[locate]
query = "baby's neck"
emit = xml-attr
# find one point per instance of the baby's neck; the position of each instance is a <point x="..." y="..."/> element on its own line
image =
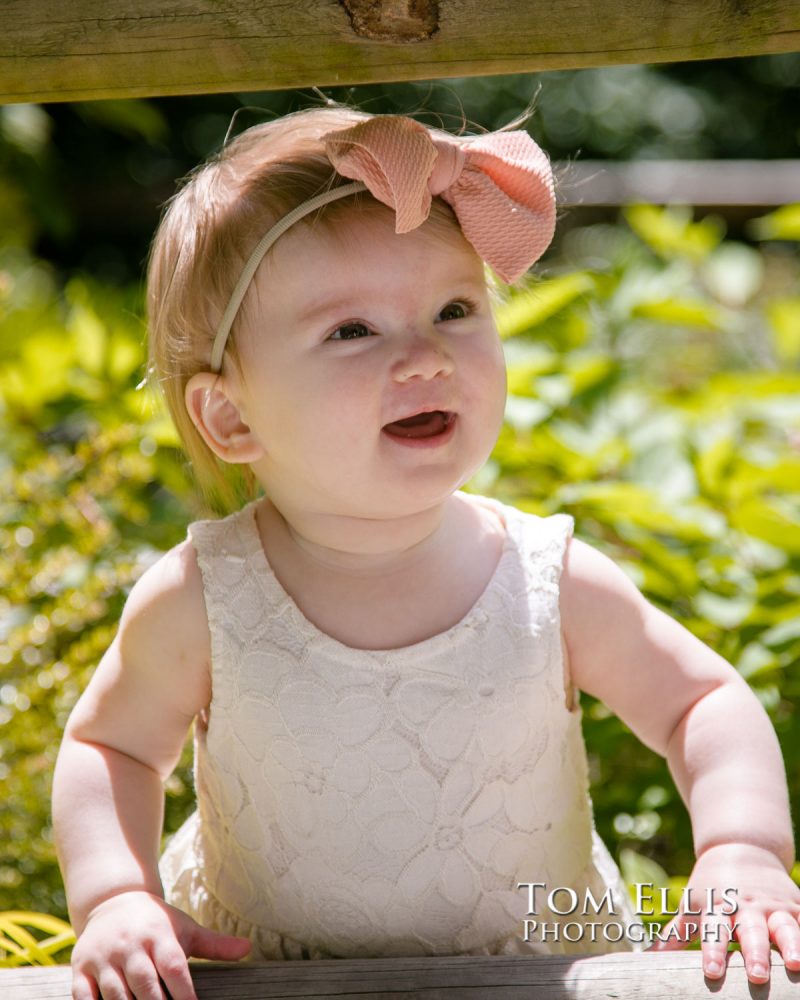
<point x="395" y="584"/>
<point x="360" y="546"/>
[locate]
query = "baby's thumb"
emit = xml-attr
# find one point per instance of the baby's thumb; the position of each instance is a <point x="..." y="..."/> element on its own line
<point x="217" y="947"/>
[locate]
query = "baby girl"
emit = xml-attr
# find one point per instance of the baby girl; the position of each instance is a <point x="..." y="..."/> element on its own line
<point x="382" y="670"/>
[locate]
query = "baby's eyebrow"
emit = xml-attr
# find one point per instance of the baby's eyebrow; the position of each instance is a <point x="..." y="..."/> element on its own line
<point x="354" y="301"/>
<point x="318" y="309"/>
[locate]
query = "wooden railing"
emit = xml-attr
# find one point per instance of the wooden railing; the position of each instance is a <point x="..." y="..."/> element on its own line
<point x="90" y="49"/>
<point x="652" y="976"/>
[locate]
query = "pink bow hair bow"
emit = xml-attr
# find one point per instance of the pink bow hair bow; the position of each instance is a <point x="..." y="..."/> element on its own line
<point x="499" y="185"/>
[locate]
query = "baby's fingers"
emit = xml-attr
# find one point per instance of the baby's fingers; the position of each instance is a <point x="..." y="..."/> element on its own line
<point x="203" y="943"/>
<point x="173" y="968"/>
<point x="141" y="978"/>
<point x="783" y="930"/>
<point x="715" y="937"/>
<point x="84" y="987"/>
<point x="753" y="937"/>
<point x="112" y="984"/>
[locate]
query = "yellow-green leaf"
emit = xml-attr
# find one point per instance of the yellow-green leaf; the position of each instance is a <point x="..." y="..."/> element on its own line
<point x="670" y="231"/>
<point x="773" y="522"/>
<point x="782" y="224"/>
<point x="529" y="308"/>
<point x="683" y="312"/>
<point x="90" y="339"/>
<point x="784" y="321"/>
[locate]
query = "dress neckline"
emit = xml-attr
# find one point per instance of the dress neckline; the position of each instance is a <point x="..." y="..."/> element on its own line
<point x="474" y="617"/>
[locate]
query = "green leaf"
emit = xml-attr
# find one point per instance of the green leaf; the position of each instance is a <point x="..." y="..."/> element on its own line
<point x="523" y="413"/>
<point x="625" y="504"/>
<point x="526" y="310"/>
<point x="773" y="521"/>
<point x="589" y="371"/>
<point x="755" y="660"/>
<point x="683" y="312"/>
<point x="713" y="463"/>
<point x="523" y="374"/>
<point x="784" y="320"/>
<point x="782" y="224"/>
<point x="90" y="338"/>
<point x="42" y="372"/>
<point x="124" y="357"/>
<point x="785" y="632"/>
<point x="670" y="231"/>
<point x="727" y="612"/>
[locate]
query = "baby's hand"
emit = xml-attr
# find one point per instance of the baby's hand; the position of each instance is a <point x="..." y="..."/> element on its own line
<point x="768" y="909"/>
<point x="135" y="942"/>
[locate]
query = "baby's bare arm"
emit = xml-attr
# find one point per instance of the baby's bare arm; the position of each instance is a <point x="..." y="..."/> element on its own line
<point x="691" y="706"/>
<point x="122" y="739"/>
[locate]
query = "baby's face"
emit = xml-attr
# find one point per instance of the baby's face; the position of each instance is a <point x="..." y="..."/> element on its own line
<point x="374" y="377"/>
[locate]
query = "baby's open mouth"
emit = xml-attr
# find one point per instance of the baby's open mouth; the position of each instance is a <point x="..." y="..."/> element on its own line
<point x="421" y="425"/>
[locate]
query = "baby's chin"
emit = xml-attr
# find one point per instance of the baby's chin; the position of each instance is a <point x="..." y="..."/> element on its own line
<point x="396" y="501"/>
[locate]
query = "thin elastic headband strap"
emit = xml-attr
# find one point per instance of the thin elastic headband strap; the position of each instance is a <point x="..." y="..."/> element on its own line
<point x="250" y="268"/>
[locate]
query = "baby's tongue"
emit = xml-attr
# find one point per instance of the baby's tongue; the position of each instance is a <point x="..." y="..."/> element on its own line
<point x="418" y="426"/>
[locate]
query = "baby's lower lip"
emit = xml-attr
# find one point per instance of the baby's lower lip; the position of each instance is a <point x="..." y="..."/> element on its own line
<point x="428" y="431"/>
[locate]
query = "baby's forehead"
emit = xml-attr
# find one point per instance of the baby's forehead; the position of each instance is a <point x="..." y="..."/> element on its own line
<point x="353" y="229"/>
<point x="358" y="261"/>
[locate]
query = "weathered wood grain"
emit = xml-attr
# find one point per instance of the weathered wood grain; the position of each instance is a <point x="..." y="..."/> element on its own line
<point x="90" y="49"/>
<point x="651" y="976"/>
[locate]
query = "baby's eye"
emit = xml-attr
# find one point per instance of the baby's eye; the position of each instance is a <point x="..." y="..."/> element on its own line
<point x="350" y="331"/>
<point x="456" y="310"/>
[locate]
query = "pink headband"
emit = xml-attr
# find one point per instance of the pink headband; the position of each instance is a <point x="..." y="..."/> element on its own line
<point x="499" y="185"/>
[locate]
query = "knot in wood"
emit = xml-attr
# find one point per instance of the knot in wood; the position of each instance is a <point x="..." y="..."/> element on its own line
<point x="393" y="20"/>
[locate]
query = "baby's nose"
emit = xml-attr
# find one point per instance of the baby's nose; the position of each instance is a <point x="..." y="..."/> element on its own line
<point x="422" y="356"/>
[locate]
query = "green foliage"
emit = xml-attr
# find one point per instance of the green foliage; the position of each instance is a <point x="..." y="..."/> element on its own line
<point x="655" y="396"/>
<point x="89" y="489"/>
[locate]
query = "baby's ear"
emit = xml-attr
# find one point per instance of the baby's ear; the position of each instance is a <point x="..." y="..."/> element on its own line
<point x="219" y="420"/>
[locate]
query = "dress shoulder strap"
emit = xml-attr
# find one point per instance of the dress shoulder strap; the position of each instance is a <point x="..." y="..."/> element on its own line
<point x="531" y="584"/>
<point x="541" y="543"/>
<point x="543" y="540"/>
<point x="224" y="548"/>
<point x="228" y="559"/>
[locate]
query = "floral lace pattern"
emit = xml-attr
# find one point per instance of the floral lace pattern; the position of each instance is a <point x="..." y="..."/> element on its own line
<point x="356" y="803"/>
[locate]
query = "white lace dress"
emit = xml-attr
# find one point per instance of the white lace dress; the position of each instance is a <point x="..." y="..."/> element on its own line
<point x="356" y="803"/>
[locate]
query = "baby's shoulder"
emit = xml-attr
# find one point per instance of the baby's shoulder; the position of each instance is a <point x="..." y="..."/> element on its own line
<point x="165" y="610"/>
<point x="593" y="579"/>
<point x="173" y="582"/>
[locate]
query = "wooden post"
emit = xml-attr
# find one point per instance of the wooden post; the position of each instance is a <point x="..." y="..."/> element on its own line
<point x="625" y="976"/>
<point x="90" y="49"/>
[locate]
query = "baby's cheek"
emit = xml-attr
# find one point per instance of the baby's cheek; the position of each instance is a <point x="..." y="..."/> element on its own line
<point x="495" y="384"/>
<point x="343" y="423"/>
<point x="488" y="400"/>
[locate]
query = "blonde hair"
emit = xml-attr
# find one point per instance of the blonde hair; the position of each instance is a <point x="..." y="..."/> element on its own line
<point x="206" y="235"/>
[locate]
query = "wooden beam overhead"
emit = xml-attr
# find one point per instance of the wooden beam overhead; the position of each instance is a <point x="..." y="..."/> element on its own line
<point x="93" y="49"/>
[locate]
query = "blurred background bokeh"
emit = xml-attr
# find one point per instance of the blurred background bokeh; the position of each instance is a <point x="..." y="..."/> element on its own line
<point x="654" y="377"/>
